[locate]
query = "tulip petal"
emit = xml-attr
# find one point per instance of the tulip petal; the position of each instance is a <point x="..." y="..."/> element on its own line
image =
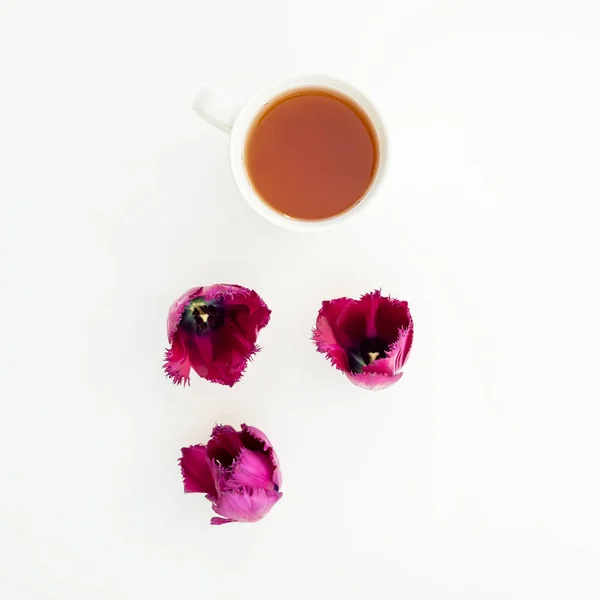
<point x="353" y="321"/>
<point x="233" y="351"/>
<point x="224" y="445"/>
<point x="252" y="435"/>
<point x="197" y="352"/>
<point x="245" y="306"/>
<point x="209" y="357"/>
<point x="219" y="521"/>
<point x="254" y="439"/>
<point x="196" y="472"/>
<point x="202" y="356"/>
<point x="331" y="311"/>
<point x="177" y="362"/>
<point x="373" y="381"/>
<point x="333" y="351"/>
<point x="392" y="315"/>
<point x="400" y="349"/>
<point x="246" y="504"/>
<point x="383" y="366"/>
<point x="328" y="337"/>
<point x="251" y="469"/>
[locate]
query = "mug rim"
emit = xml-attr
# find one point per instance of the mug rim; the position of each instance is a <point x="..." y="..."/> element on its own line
<point x="246" y="118"/>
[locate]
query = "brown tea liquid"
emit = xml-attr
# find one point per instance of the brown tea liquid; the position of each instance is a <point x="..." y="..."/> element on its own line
<point x="312" y="154"/>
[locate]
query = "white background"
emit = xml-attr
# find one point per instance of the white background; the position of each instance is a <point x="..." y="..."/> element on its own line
<point x="475" y="477"/>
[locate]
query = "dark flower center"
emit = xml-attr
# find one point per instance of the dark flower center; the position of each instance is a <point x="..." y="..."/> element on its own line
<point x="369" y="350"/>
<point x="200" y="316"/>
<point x="223" y="458"/>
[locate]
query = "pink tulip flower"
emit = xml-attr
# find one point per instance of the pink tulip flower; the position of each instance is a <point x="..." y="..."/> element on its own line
<point x="237" y="470"/>
<point x="213" y="330"/>
<point x="367" y="339"/>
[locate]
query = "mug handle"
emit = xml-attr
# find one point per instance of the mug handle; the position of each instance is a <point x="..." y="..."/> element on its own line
<point x="215" y="108"/>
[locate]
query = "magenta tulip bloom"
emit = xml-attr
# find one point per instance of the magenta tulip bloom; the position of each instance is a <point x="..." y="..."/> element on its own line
<point x="213" y="330"/>
<point x="237" y="470"/>
<point x="368" y="339"/>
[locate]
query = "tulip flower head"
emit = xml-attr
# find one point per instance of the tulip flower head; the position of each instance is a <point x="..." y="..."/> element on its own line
<point x="213" y="330"/>
<point x="237" y="470"/>
<point x="368" y="339"/>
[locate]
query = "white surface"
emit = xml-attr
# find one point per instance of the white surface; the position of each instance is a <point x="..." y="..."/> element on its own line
<point x="476" y="477"/>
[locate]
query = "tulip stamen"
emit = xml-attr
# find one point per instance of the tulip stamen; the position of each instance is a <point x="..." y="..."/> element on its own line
<point x="199" y="313"/>
<point x="373" y="356"/>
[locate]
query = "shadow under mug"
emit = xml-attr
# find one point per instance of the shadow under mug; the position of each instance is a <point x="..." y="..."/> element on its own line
<point x="238" y="122"/>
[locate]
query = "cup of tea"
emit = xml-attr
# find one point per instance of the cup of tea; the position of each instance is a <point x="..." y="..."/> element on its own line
<point x="306" y="153"/>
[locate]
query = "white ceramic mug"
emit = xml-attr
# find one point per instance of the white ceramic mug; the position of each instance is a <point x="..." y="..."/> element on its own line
<point x="237" y="122"/>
